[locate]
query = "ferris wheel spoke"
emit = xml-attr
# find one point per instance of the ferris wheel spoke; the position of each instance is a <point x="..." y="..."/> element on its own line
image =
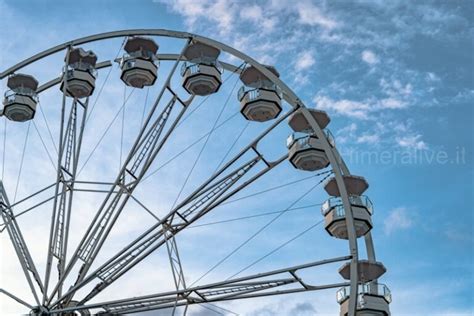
<point x="69" y="153"/>
<point x="64" y="137"/>
<point x="16" y="298"/>
<point x="19" y="244"/>
<point x="286" y="280"/>
<point x="147" y="145"/>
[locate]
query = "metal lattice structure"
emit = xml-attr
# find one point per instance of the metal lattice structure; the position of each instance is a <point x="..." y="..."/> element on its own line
<point x="264" y="99"/>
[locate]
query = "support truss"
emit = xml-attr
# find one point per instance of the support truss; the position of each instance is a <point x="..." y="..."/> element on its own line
<point x="148" y="144"/>
<point x="19" y="244"/>
<point x="277" y="282"/>
<point x="69" y="152"/>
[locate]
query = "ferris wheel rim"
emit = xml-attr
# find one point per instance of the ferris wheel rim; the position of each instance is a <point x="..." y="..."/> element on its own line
<point x="336" y="161"/>
<point x="293" y="99"/>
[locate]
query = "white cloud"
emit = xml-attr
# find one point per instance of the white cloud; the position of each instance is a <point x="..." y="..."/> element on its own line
<point x="394" y="88"/>
<point x="255" y="14"/>
<point x="345" y="107"/>
<point x="346" y="133"/>
<point x="269" y="23"/>
<point x="359" y="109"/>
<point x="368" y="139"/>
<point x="432" y="77"/>
<point x="398" y="219"/>
<point x="252" y="13"/>
<point x="392" y="103"/>
<point x="369" y="57"/>
<point x="304" y="60"/>
<point x="221" y="12"/>
<point x="412" y="142"/>
<point x="311" y="15"/>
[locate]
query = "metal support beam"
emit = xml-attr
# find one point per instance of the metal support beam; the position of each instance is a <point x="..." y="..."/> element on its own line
<point x="257" y="285"/>
<point x="175" y="262"/>
<point x="18" y="242"/>
<point x="69" y="153"/>
<point x="19" y="300"/>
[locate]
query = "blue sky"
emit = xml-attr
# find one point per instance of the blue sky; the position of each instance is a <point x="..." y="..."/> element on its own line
<point x="396" y="79"/>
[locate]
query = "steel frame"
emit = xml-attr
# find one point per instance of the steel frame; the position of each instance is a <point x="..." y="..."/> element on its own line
<point x="145" y="149"/>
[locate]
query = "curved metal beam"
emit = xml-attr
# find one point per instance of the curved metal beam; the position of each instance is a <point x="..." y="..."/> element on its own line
<point x="338" y="174"/>
<point x="155" y="32"/>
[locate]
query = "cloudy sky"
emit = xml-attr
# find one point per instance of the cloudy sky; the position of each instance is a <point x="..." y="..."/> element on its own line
<point x="396" y="77"/>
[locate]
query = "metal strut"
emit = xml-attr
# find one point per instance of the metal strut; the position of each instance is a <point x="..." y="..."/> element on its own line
<point x="258" y="285"/>
<point x="175" y="263"/>
<point x="19" y="244"/>
<point x="69" y="152"/>
<point x="149" y="142"/>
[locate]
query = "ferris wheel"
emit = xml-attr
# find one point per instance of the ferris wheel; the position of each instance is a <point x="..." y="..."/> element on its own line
<point x="114" y="159"/>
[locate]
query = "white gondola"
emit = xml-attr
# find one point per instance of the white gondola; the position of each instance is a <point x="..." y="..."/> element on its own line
<point x="260" y="98"/>
<point x="335" y="216"/>
<point x="202" y="71"/>
<point x="361" y="206"/>
<point x="306" y="151"/>
<point x="373" y="300"/>
<point x="138" y="65"/>
<point x="20" y="101"/>
<point x="80" y="73"/>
